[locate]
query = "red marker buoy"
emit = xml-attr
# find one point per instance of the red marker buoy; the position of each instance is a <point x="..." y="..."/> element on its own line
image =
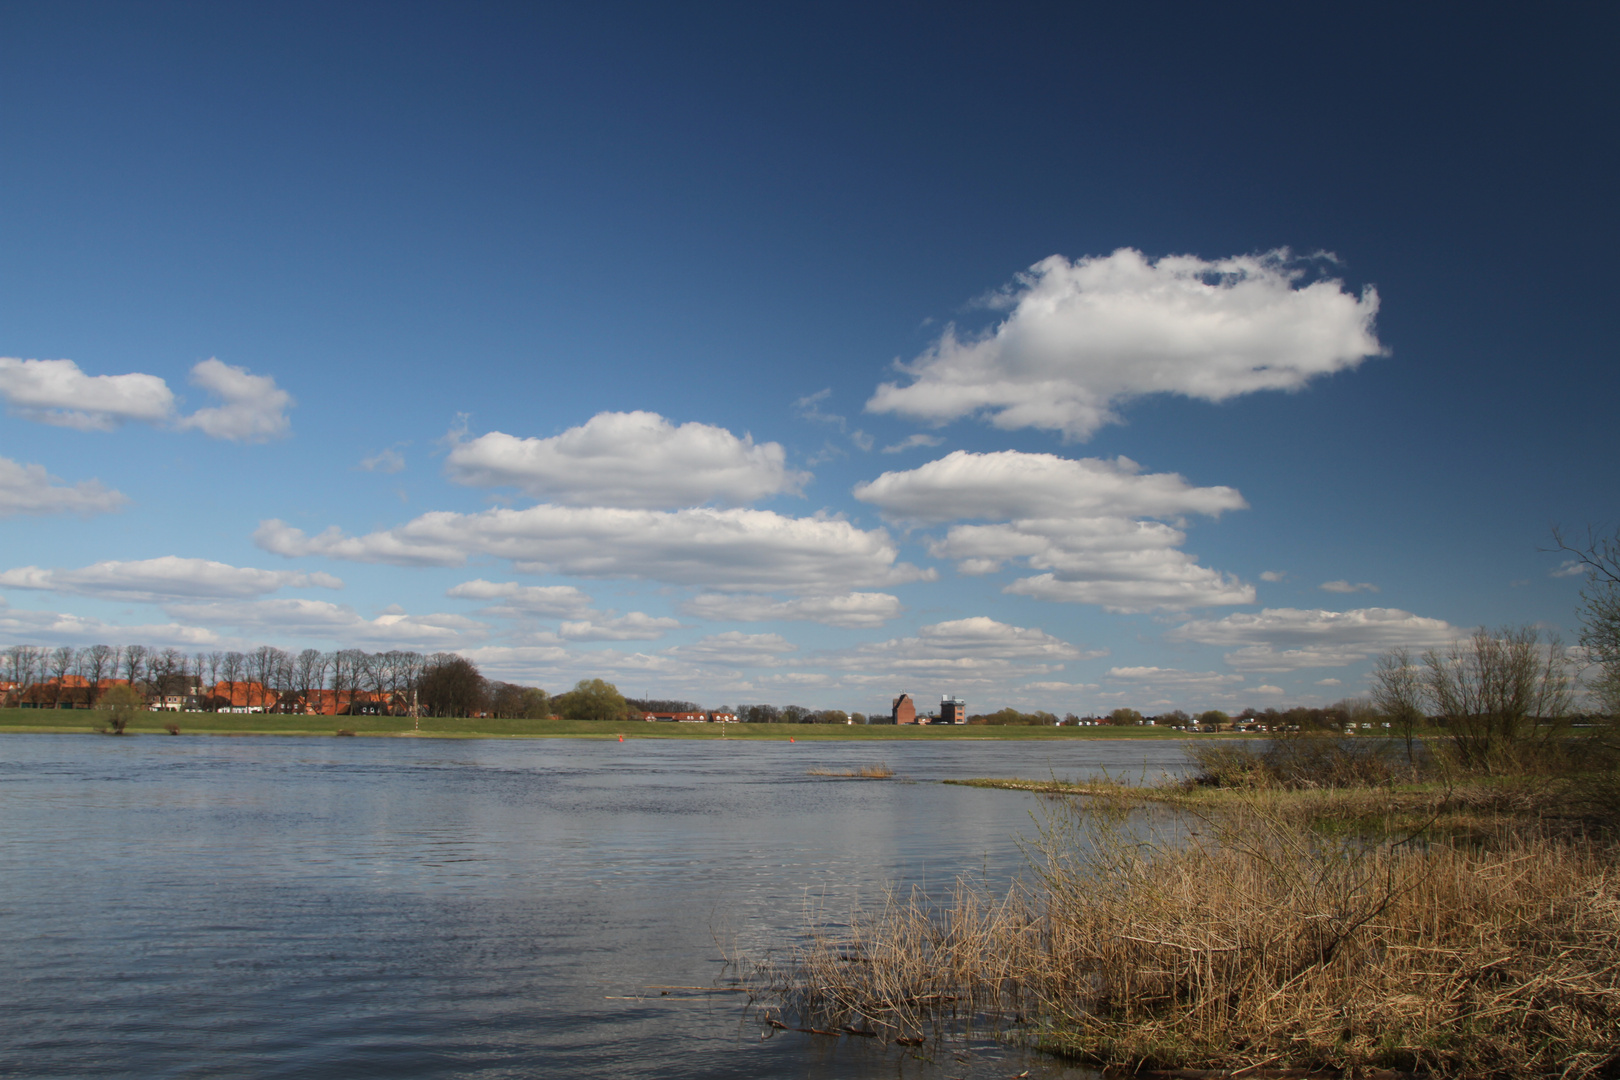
<point x="791" y="739"/>
<point x="621" y="738"/>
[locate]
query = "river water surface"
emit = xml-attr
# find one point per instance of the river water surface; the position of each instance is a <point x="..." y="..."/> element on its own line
<point x="267" y="907"/>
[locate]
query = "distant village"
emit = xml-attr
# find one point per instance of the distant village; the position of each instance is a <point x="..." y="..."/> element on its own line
<point x="398" y="683"/>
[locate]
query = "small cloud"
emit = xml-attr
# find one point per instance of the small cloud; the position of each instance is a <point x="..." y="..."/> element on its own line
<point x="1273" y="575"/>
<point x="1519" y="584"/>
<point x="809" y="407"/>
<point x="384" y="461"/>
<point x="1328" y="682"/>
<point x="1347" y="587"/>
<point x="1269" y="690"/>
<point x="29" y="489"/>
<point x="861" y="439"/>
<point x="253" y="407"/>
<point x="911" y="442"/>
<point x="1569" y="568"/>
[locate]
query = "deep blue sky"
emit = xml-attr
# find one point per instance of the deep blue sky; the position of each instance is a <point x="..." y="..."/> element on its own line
<point x="406" y="214"/>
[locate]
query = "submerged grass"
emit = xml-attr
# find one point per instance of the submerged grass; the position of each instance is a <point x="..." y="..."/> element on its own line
<point x="1239" y="937"/>
<point x="880" y="771"/>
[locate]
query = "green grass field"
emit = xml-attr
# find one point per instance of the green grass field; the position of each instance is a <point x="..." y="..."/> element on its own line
<point x="89" y="720"/>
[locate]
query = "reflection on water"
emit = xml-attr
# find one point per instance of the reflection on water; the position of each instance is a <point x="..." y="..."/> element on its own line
<point x="391" y="907"/>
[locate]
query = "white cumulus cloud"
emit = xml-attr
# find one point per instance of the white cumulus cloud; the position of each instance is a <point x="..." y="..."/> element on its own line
<point x="1076" y="520"/>
<point x="29" y="489"/>
<point x="854" y="610"/>
<point x="734" y="649"/>
<point x="1174" y="678"/>
<point x="148" y="580"/>
<point x="729" y="549"/>
<point x="1083" y="337"/>
<point x="57" y="392"/>
<point x="1288" y="639"/>
<point x="65" y="629"/>
<point x="631" y="626"/>
<point x="635" y="459"/>
<point x="976" y="651"/>
<point x="254" y="408"/>
<point x="1011" y="484"/>
<point x="562" y="601"/>
<point x="336" y="622"/>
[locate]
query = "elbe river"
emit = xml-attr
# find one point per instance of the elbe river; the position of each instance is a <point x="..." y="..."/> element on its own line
<point x="298" y="907"/>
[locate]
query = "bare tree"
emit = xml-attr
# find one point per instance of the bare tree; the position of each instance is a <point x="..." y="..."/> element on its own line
<point x="134" y="664"/>
<point x="308" y="674"/>
<point x="1397" y="692"/>
<point x="21" y="663"/>
<point x="215" y="659"/>
<point x="1503" y="695"/>
<point x="61" y="665"/>
<point x="231" y="667"/>
<point x="1600" y="613"/>
<point x="99" y="662"/>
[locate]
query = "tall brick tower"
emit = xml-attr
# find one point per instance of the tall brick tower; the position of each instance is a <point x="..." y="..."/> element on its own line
<point x="904" y="711"/>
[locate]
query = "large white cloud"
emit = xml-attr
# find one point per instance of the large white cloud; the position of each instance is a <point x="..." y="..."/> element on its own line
<point x="1161" y="678"/>
<point x="631" y="626"/>
<point x="976" y="651"/>
<point x="854" y="610"/>
<point x="18" y="626"/>
<point x="146" y="580"/>
<point x="727" y="549"/>
<point x="336" y="622"/>
<point x="563" y="601"/>
<point x="1010" y="484"/>
<point x="634" y="459"/>
<point x="1076" y="520"/>
<point x="29" y="489"/>
<point x="1082" y="337"/>
<point x="1288" y="639"/>
<point x="734" y="649"/>
<point x="57" y="392"/>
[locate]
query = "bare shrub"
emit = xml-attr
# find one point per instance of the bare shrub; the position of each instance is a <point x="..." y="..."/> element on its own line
<point x="1295" y="760"/>
<point x="1252" y="943"/>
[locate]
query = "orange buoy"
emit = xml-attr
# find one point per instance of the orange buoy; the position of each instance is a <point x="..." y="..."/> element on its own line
<point x="791" y="739"/>
<point x="621" y="738"/>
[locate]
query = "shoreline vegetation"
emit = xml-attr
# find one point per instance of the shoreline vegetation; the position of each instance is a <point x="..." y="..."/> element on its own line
<point x="1314" y="905"/>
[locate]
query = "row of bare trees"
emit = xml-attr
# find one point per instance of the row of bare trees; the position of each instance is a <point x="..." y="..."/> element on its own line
<point x="266" y="677"/>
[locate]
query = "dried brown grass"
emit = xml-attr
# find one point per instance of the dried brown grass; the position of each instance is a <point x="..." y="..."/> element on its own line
<point x="879" y="771"/>
<point x="1252" y="942"/>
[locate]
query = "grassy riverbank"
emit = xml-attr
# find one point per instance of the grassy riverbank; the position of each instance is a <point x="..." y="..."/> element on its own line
<point x="1431" y="925"/>
<point x="199" y="723"/>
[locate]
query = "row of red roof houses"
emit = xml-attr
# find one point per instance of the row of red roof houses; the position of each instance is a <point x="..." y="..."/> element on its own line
<point x="75" y="692"/>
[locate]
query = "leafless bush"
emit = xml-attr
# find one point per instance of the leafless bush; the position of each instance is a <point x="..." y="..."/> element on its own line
<point x="1297" y="760"/>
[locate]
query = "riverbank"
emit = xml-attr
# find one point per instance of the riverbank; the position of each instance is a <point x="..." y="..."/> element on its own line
<point x="1469" y="928"/>
<point x="202" y="723"/>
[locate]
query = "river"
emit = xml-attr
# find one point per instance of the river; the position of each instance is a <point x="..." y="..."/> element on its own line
<point x="297" y="907"/>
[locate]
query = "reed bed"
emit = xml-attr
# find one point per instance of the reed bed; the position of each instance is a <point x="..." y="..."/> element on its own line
<point x="880" y="771"/>
<point x="1249" y="943"/>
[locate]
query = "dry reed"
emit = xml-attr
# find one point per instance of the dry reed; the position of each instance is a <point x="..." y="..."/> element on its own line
<point x="879" y="771"/>
<point x="1251" y="943"/>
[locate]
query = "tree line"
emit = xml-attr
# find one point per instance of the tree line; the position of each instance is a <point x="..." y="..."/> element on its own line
<point x="268" y="678"/>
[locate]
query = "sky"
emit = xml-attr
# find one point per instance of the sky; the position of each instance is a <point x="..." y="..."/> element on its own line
<point x="1052" y="356"/>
